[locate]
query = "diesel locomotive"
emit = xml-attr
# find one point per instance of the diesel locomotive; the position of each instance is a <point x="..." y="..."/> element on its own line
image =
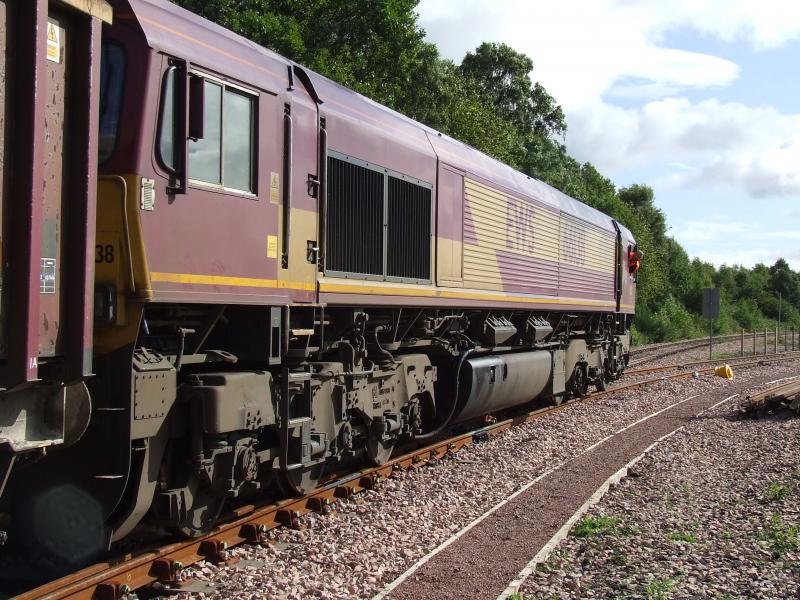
<point x="225" y="275"/>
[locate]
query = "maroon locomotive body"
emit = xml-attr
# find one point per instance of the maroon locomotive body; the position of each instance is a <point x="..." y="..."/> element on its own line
<point x="290" y="277"/>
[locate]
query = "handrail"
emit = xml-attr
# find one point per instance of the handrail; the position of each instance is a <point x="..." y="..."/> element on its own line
<point x="125" y="225"/>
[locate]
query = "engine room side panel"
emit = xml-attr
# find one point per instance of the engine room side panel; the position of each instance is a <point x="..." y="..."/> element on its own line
<point x="509" y="244"/>
<point x="586" y="260"/>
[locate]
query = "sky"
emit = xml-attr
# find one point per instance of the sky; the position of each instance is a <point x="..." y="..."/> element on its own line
<point x="700" y="99"/>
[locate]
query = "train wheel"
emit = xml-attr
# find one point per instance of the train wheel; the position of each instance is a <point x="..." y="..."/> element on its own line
<point x="300" y="481"/>
<point x="380" y="451"/>
<point x="579" y="382"/>
<point x="203" y="514"/>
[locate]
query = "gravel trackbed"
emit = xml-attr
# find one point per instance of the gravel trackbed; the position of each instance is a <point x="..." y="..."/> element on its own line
<point x="713" y="512"/>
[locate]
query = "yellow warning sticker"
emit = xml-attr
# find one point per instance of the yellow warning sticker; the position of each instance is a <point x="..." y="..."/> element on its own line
<point x="272" y="246"/>
<point x="53" y="43"/>
<point x="274" y="185"/>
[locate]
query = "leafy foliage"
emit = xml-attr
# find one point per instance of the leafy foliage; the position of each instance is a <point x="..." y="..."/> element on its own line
<point x="492" y="102"/>
<point x="777" y="491"/>
<point x="503" y="76"/>
<point x="591" y="526"/>
<point x="780" y="537"/>
<point x="373" y="47"/>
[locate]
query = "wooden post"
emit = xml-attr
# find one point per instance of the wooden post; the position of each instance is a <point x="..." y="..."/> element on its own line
<point x="741" y="351"/>
<point x="754" y="342"/>
<point x="775" y="341"/>
<point x="765" y="339"/>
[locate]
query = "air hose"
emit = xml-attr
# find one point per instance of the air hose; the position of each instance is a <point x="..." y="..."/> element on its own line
<point x="446" y="422"/>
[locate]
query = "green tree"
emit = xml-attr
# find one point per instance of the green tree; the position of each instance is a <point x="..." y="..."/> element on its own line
<point x="374" y="47"/>
<point x="503" y="74"/>
<point x="784" y="281"/>
<point x="677" y="262"/>
<point x="642" y="198"/>
<point x="459" y="109"/>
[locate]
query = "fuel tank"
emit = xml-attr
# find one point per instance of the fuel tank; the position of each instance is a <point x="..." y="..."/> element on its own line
<point x="492" y="383"/>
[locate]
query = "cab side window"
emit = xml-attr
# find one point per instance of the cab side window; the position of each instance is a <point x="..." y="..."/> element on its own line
<point x="167" y="133"/>
<point x="204" y="154"/>
<point x="225" y="155"/>
<point x="238" y="134"/>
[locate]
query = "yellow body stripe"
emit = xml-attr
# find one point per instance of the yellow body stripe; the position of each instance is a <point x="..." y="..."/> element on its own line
<point x="192" y="278"/>
<point x="430" y="292"/>
<point x="372" y="288"/>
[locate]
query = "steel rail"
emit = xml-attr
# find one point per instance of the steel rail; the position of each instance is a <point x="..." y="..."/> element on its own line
<point x="673" y="348"/>
<point x="787" y="390"/>
<point x="663" y="345"/>
<point x="770" y="400"/>
<point x="731" y="360"/>
<point x="117" y="579"/>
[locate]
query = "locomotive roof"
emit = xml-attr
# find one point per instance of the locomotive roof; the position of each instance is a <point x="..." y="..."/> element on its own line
<point x="179" y="32"/>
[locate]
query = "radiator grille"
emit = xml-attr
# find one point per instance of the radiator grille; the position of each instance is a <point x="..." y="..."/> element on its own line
<point x="366" y="203"/>
<point x="409" y="230"/>
<point x="355" y="219"/>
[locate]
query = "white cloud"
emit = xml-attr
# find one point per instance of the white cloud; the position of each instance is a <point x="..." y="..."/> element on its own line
<point x="703" y="231"/>
<point x="762" y="23"/>
<point x="771" y="235"/>
<point x="736" y="243"/>
<point x="756" y="149"/>
<point x="582" y="49"/>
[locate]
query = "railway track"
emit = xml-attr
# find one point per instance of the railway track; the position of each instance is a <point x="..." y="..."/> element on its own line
<point x="735" y="360"/>
<point x="643" y="355"/>
<point x="119" y="578"/>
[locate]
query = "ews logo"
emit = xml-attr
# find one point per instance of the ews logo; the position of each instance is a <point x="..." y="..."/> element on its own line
<point x="574" y="244"/>
<point x="519" y="226"/>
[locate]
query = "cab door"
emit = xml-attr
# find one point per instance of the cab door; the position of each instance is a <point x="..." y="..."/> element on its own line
<point x="299" y="190"/>
<point x="618" y="260"/>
